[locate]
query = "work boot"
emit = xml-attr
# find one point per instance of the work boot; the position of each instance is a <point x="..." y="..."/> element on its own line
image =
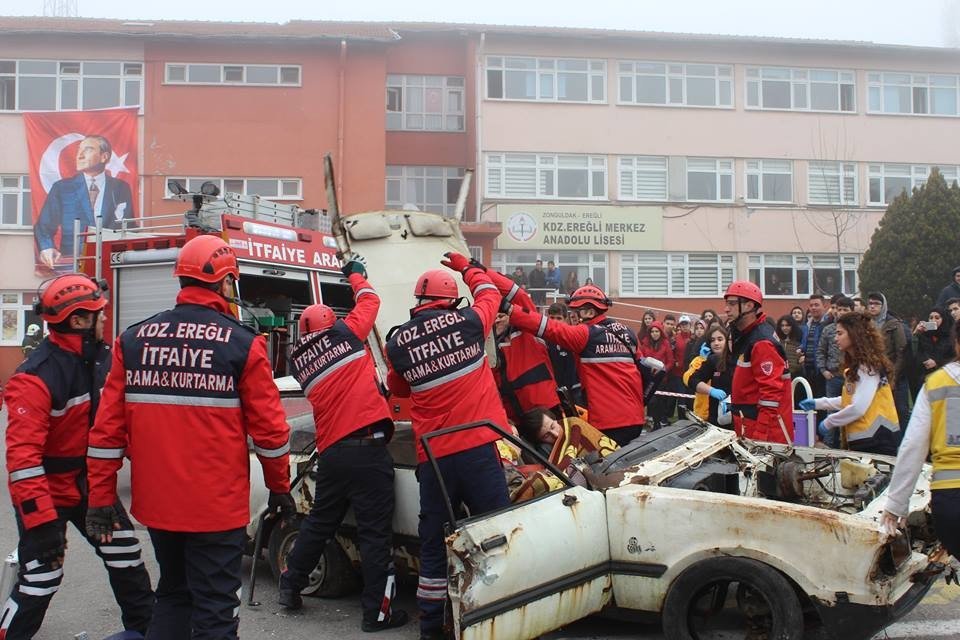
<point x="288" y="596"/>
<point x="398" y="618"/>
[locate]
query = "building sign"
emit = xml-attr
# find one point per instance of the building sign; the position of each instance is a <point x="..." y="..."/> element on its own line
<point x="580" y="227"/>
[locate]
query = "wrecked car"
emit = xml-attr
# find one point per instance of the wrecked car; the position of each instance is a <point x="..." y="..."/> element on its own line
<point x="717" y="534"/>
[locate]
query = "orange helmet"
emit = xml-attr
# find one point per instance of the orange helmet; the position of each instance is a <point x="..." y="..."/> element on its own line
<point x="746" y="290"/>
<point x="207" y="259"/>
<point x="69" y="293"/>
<point x="436" y="284"/>
<point x="591" y="295"/>
<point x="316" y="317"/>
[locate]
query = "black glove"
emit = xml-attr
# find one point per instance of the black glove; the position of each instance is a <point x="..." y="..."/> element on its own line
<point x="505" y="306"/>
<point x="476" y="264"/>
<point x="48" y="542"/>
<point x="284" y="502"/>
<point x="100" y="521"/>
<point x="354" y="265"/>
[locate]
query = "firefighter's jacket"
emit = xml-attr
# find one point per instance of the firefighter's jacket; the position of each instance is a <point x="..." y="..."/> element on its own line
<point x="52" y="399"/>
<point x="186" y="389"/>
<point x="605" y="353"/>
<point x="760" y="396"/>
<point x="336" y="372"/>
<point x="524" y="371"/>
<point x="437" y="359"/>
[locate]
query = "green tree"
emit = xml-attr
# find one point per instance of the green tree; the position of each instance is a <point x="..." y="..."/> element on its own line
<point x="915" y="247"/>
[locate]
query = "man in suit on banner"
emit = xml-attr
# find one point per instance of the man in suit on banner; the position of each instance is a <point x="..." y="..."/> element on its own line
<point x="88" y="195"/>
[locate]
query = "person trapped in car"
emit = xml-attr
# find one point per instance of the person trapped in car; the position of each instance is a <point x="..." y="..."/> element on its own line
<point x="438" y="360"/>
<point x="336" y="372"/>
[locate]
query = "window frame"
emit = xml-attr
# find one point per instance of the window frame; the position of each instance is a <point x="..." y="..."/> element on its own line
<point x="23" y="193"/>
<point x="847" y="263"/>
<point x="594" y="263"/>
<point x="635" y="173"/>
<point x="542" y="164"/>
<point x="540" y="69"/>
<point x="843" y="174"/>
<point x="718" y="179"/>
<point x="221" y="181"/>
<point x="799" y="76"/>
<point x="449" y="173"/>
<point x="60" y="77"/>
<point x="677" y="266"/>
<point x="919" y="173"/>
<point x="232" y="83"/>
<point x="683" y="76"/>
<point x="22" y="307"/>
<point x="877" y="80"/>
<point x="760" y="172"/>
<point x="445" y="112"/>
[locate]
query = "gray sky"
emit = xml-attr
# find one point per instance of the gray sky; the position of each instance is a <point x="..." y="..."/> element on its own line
<point x="915" y="22"/>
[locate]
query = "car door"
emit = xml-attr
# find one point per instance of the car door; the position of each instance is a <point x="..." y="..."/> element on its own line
<point x="531" y="568"/>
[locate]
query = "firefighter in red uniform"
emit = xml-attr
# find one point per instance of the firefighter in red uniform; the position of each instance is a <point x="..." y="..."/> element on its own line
<point x="52" y="400"/>
<point x="186" y="389"/>
<point x="760" y="398"/>
<point x="437" y="359"/>
<point x="332" y="365"/>
<point x="524" y="373"/>
<point x="606" y="355"/>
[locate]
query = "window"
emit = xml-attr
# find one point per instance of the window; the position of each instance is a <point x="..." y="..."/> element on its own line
<point x="425" y="103"/>
<point x="769" y="180"/>
<point x="578" y="264"/>
<point x="15" y="201"/>
<point x="547" y="79"/>
<point x="529" y="175"/>
<point x="675" y="84"/>
<point x="52" y="85"/>
<point x="887" y="181"/>
<point x="912" y="93"/>
<point x="832" y="183"/>
<point x="800" y="89"/>
<point x="272" y="188"/>
<point x="801" y="275"/>
<point x="16" y="313"/>
<point x="709" y="180"/>
<point x="426" y="188"/>
<point x="233" y="74"/>
<point x="643" y="177"/>
<point x="676" y="274"/>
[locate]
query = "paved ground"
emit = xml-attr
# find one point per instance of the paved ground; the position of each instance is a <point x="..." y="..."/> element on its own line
<point x="85" y="604"/>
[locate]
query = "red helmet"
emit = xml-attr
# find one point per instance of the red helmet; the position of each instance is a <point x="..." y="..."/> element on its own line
<point x="591" y="295"/>
<point x="316" y="317"/>
<point x="746" y="290"/>
<point x="207" y="259"/>
<point x="69" y="293"/>
<point x="436" y="284"/>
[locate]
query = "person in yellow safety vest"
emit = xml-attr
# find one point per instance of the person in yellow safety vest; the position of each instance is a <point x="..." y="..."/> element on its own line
<point x="935" y="428"/>
<point x="865" y="411"/>
<point x="710" y="376"/>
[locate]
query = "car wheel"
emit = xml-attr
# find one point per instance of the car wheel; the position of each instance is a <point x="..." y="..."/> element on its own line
<point x="732" y="598"/>
<point x="333" y="576"/>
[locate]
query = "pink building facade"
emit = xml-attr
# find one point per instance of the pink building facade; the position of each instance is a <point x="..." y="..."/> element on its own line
<point x="665" y="166"/>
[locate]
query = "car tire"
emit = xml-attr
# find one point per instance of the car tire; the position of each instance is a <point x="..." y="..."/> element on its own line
<point x="333" y="576"/>
<point x="761" y="587"/>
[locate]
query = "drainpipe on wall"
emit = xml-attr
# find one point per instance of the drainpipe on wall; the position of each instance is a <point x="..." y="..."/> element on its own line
<point x="341" y="111"/>
<point x="478" y="102"/>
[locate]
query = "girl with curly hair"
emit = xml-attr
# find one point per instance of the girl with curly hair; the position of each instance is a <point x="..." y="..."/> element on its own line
<point x="865" y="412"/>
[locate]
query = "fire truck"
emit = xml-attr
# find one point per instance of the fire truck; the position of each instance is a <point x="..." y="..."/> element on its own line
<point x="290" y="258"/>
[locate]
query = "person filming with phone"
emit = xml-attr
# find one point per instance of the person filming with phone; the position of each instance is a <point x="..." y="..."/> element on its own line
<point x="934" y="346"/>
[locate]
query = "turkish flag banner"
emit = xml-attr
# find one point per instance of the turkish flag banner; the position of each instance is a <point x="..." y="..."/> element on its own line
<point x="83" y="168"/>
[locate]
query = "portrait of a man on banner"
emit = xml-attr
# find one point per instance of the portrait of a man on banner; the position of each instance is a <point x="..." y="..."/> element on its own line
<point x="83" y="168"/>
